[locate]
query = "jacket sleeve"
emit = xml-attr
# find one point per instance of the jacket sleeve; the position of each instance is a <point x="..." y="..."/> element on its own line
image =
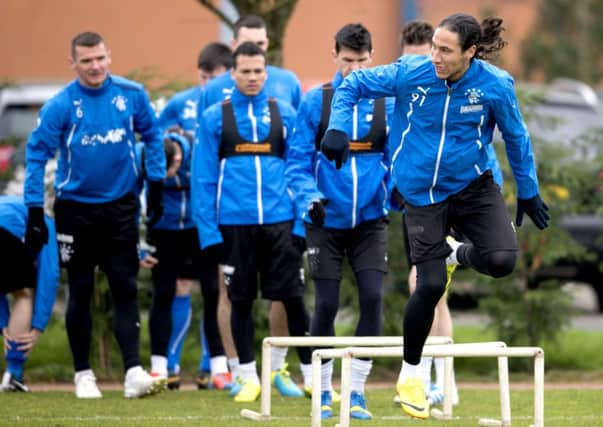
<point x="205" y="171"/>
<point x="300" y="159"/>
<point x="146" y="124"/>
<point x="48" y="279"/>
<point x="4" y="311"/>
<point x="387" y="159"/>
<point x="378" y="82"/>
<point x="517" y="141"/>
<point x="168" y="116"/>
<point x="41" y="146"/>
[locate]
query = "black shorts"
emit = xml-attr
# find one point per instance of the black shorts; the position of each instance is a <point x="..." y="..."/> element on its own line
<point x="365" y="246"/>
<point x="179" y="249"/>
<point x="478" y="212"/>
<point x="264" y="249"/>
<point x="17" y="267"/>
<point x="91" y="234"/>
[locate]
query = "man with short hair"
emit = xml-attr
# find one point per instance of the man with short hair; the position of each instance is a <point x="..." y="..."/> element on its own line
<point x="92" y="122"/>
<point x="345" y="213"/>
<point x="243" y="210"/>
<point x="282" y="85"/>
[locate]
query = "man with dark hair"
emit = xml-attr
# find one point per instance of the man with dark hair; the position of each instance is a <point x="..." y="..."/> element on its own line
<point x="416" y="37"/>
<point x="243" y="210"/>
<point x="284" y="86"/>
<point x="345" y="213"/>
<point x="32" y="280"/>
<point x="214" y="59"/>
<point x="447" y="106"/>
<point x="93" y="122"/>
<point x="181" y="111"/>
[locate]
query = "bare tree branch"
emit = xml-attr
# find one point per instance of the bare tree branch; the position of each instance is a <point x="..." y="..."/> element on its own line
<point x="208" y="4"/>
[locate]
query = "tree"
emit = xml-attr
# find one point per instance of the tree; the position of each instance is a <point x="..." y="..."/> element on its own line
<point x="275" y="13"/>
<point x="566" y="41"/>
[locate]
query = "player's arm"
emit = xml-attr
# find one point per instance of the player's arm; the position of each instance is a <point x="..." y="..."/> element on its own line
<point x="205" y="171"/>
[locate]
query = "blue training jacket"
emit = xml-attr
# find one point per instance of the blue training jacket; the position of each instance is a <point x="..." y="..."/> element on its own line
<point x="13" y="218"/>
<point x="439" y="130"/>
<point x="94" y="130"/>
<point x="244" y="189"/>
<point x="280" y="84"/>
<point x="176" y="190"/>
<point x="181" y="110"/>
<point x="358" y="192"/>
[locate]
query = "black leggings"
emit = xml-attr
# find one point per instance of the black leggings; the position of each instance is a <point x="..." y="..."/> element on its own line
<point x="126" y="320"/>
<point x="243" y="327"/>
<point x="370" y="299"/>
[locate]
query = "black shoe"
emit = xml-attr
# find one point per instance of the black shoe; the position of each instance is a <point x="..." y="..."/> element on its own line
<point x="11" y="383"/>
<point x="203" y="380"/>
<point x="173" y="381"/>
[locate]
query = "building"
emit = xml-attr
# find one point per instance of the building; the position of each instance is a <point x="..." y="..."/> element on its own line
<point x="35" y="35"/>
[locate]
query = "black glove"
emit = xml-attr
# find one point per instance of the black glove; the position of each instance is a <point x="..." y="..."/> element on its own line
<point x="335" y="146"/>
<point x="299" y="243"/>
<point x="396" y="200"/>
<point x="36" y="234"/>
<point x="154" y="202"/>
<point x="213" y="254"/>
<point x="535" y="208"/>
<point x="317" y="211"/>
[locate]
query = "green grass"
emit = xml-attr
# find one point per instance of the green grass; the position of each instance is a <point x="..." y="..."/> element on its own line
<point x="212" y="408"/>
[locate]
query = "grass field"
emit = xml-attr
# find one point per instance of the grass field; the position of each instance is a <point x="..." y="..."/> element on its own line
<point x="576" y="407"/>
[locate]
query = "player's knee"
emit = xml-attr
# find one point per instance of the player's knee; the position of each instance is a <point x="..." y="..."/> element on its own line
<point x="501" y="263"/>
<point x="327" y="307"/>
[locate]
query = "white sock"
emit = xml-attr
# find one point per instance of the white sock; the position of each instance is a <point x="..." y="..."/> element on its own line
<point x="218" y="365"/>
<point x="326" y="376"/>
<point x="233" y="365"/>
<point x="307" y="374"/>
<point x="278" y="355"/>
<point x="159" y="364"/>
<point x="408" y="371"/>
<point x="424" y="370"/>
<point x="85" y="372"/>
<point x="249" y="372"/>
<point x="360" y="371"/>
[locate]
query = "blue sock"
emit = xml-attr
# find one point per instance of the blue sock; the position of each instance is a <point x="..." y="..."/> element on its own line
<point x="181" y="321"/>
<point x="15" y="359"/>
<point x="205" y="356"/>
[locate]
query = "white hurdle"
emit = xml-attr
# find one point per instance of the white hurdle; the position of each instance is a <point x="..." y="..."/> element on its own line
<point x="343" y="353"/>
<point x="269" y="342"/>
<point x="453" y="350"/>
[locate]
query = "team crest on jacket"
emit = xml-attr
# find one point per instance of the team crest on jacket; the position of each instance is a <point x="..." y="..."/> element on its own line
<point x="474" y="96"/>
<point x="119" y="102"/>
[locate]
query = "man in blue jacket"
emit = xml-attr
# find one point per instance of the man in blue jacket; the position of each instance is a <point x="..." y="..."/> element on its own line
<point x="32" y="280"/>
<point x="181" y="111"/>
<point x="243" y="210"/>
<point x="282" y="85"/>
<point x="345" y="212"/>
<point x="446" y="109"/>
<point x="92" y="122"/>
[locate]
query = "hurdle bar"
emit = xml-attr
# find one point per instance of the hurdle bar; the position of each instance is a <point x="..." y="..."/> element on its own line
<point x="269" y="342"/>
<point x="320" y="354"/>
<point x="452" y="350"/>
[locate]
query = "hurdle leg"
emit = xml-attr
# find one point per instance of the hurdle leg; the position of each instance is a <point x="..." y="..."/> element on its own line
<point x="539" y="390"/>
<point x="448" y="372"/>
<point x="316" y="388"/>
<point x="346" y="380"/>
<point x="266" y="370"/>
<point x="505" y="397"/>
